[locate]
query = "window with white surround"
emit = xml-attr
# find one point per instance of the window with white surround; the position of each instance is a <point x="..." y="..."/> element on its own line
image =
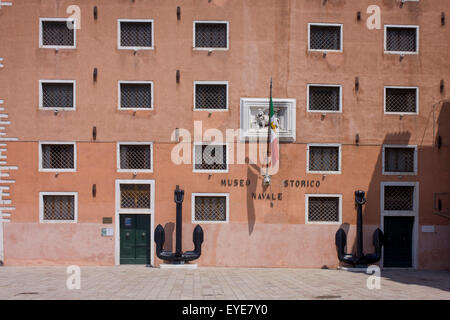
<point x="401" y="39"/>
<point x="401" y="100"/>
<point x="211" y="35"/>
<point x="399" y="197"/>
<point x="211" y="95"/>
<point x="323" y="158"/>
<point x="210" y="207"/>
<point x="136" y="196"/>
<point x="210" y="157"/>
<point x="57" y="33"/>
<point x="57" y="207"/>
<point x="323" y="208"/>
<point x="324" y="98"/>
<point x="57" y="156"/>
<point x="57" y="94"/>
<point x="399" y="159"/>
<point x="136" y="95"/>
<point x="325" y="37"/>
<point x="135" y="156"/>
<point x="135" y="34"/>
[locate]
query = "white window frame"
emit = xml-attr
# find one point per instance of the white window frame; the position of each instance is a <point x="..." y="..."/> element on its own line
<point x="41" y="206"/>
<point x="402" y="87"/>
<point x="386" y="26"/>
<point x="135" y="48"/>
<point x="41" y="45"/>
<point x="211" y="194"/>
<point x="205" y="82"/>
<point x="326" y="24"/>
<point x="134" y="143"/>
<point x="41" y="103"/>
<point x="211" y="21"/>
<point x="227" y="147"/>
<point x="324" y="145"/>
<point x="41" y="169"/>
<point x="119" y="107"/>
<point x="324" y="85"/>
<point x="383" y="159"/>
<point x="319" y="195"/>
<point x="133" y="210"/>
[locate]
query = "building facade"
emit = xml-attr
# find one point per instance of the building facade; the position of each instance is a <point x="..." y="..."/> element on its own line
<point x="99" y="100"/>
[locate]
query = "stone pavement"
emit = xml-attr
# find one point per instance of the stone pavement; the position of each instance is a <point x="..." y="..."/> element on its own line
<point x="140" y="282"/>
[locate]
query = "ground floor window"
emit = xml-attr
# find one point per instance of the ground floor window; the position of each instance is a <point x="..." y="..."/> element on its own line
<point x="58" y="206"/>
<point x="323" y="208"/>
<point x="210" y="207"/>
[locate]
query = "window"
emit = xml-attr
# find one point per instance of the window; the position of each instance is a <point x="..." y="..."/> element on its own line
<point x="210" y="207"/>
<point x="325" y="37"/>
<point x="401" y="39"/>
<point x="324" y="158"/>
<point x="399" y="159"/>
<point x="401" y="100"/>
<point x="135" y="95"/>
<point x="57" y="156"/>
<point x="324" y="98"/>
<point x="57" y="94"/>
<point x="55" y="33"/>
<point x="210" y="157"/>
<point x="135" y="156"/>
<point x="135" y="34"/>
<point x="211" y="35"/>
<point x="58" y="207"/>
<point x="135" y="196"/>
<point x="211" y="95"/>
<point x="323" y="208"/>
<point x="399" y="198"/>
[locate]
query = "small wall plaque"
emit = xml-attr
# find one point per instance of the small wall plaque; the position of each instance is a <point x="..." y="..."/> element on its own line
<point x="107" y="232"/>
<point x="107" y="220"/>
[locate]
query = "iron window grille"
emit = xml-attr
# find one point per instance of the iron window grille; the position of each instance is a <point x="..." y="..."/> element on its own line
<point x="324" y="98"/>
<point x="210" y="35"/>
<point x="136" y="34"/>
<point x="323" y="209"/>
<point x="210" y="157"/>
<point x="55" y="33"/>
<point x="210" y="208"/>
<point x="57" y="95"/>
<point x="58" y="207"/>
<point x="135" y="196"/>
<point x="399" y="159"/>
<point x="398" y="198"/>
<point x="401" y="39"/>
<point x="135" y="95"/>
<point x="325" y="37"/>
<point x="135" y="157"/>
<point x="211" y="96"/>
<point x="401" y="100"/>
<point x="323" y="158"/>
<point x="58" y="156"/>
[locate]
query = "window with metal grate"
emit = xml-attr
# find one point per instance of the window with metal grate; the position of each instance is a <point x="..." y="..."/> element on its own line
<point x="57" y="95"/>
<point x="400" y="160"/>
<point x="325" y="37"/>
<point x="59" y="207"/>
<point x="58" y="156"/>
<point x="399" y="198"/>
<point x="136" y="34"/>
<point x="135" y="95"/>
<point x="135" y="196"/>
<point x="210" y="96"/>
<point x="323" y="209"/>
<point x="211" y="35"/>
<point x="401" y="39"/>
<point x="324" y="98"/>
<point x="135" y="156"/>
<point x="210" y="157"/>
<point x="210" y="208"/>
<point x="401" y="100"/>
<point x="323" y="158"/>
<point x="57" y="34"/>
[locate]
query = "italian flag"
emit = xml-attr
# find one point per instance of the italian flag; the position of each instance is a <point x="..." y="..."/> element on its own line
<point x="273" y="133"/>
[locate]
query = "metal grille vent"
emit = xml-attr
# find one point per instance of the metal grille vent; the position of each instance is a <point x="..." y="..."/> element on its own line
<point x="210" y="208"/>
<point x="399" y="159"/>
<point x="58" y="156"/>
<point x="136" y="95"/>
<point x="323" y="158"/>
<point x="57" y="95"/>
<point x="323" y="209"/>
<point x="56" y="33"/>
<point x="401" y="100"/>
<point x="399" y="198"/>
<point x="325" y="37"/>
<point x="135" y="196"/>
<point x="135" y="156"/>
<point x="210" y="157"/>
<point x="59" y="207"/>
<point x="401" y="39"/>
<point x="210" y="96"/>
<point x="210" y="35"/>
<point x="136" y="34"/>
<point x="323" y="98"/>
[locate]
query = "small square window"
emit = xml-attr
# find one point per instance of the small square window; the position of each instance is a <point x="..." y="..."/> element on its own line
<point x="210" y="207"/>
<point x="135" y="196"/>
<point x="135" y="95"/>
<point x="324" y="98"/>
<point x="56" y="94"/>
<point x="57" y="156"/>
<point x="57" y="33"/>
<point x="398" y="198"/>
<point x="401" y="100"/>
<point x="399" y="159"/>
<point x="135" y="34"/>
<point x="325" y="37"/>
<point x="324" y="159"/>
<point x="135" y="157"/>
<point x="323" y="208"/>
<point x="211" y="95"/>
<point x="211" y="35"/>
<point x="210" y="158"/>
<point x="58" y="206"/>
<point x="401" y="39"/>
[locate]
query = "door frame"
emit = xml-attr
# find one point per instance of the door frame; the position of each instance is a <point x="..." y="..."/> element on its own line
<point x="119" y="211"/>
<point x="414" y="213"/>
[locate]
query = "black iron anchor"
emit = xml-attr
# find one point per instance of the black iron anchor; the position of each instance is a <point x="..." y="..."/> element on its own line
<point x="359" y="259"/>
<point x="178" y="257"/>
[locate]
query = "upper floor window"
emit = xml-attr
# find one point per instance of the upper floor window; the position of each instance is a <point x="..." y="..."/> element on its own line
<point x="399" y="159"/>
<point x="401" y="39"/>
<point x="57" y="33"/>
<point x="324" y="98"/>
<point x="135" y="156"/>
<point x="135" y="95"/>
<point x="401" y="100"/>
<point x="57" y="156"/>
<point x="324" y="158"/>
<point x="325" y="37"/>
<point x="211" y="95"/>
<point x="211" y="35"/>
<point x="210" y="157"/>
<point x="135" y="34"/>
<point x="58" y="207"/>
<point x="57" y="94"/>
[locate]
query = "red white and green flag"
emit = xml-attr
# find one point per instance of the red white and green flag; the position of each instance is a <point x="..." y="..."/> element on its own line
<point x="273" y="133"/>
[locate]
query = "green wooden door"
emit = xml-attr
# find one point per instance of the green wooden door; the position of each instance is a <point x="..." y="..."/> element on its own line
<point x="398" y="232"/>
<point x="135" y="239"/>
